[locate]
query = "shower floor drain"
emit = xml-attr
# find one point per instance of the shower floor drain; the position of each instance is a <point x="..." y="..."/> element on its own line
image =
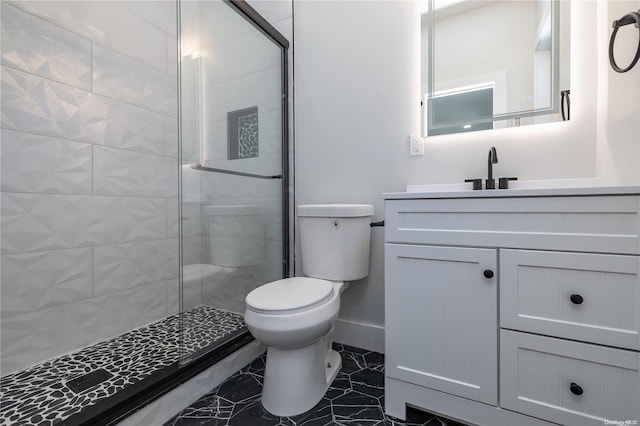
<point x="88" y="380"/>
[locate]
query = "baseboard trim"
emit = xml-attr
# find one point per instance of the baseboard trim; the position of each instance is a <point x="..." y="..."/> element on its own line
<point x="360" y="335"/>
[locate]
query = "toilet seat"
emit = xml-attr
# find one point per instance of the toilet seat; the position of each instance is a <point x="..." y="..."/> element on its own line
<point x="289" y="295"/>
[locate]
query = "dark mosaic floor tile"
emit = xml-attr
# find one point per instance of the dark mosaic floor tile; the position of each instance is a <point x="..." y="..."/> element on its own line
<point x="319" y="415"/>
<point x="369" y="382"/>
<point x="198" y="421"/>
<point x="374" y="360"/>
<point x="356" y="397"/>
<point x="353" y="349"/>
<point x="241" y="388"/>
<point x="129" y="358"/>
<point x="252" y="413"/>
<point x="257" y="366"/>
<point x="352" y="362"/>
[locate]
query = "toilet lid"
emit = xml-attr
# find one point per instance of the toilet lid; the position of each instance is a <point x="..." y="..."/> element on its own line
<point x="289" y="294"/>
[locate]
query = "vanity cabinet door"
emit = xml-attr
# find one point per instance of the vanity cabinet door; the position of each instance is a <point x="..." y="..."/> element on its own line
<point x="441" y="319"/>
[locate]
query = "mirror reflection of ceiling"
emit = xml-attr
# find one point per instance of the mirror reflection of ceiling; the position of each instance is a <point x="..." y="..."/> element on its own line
<point x="444" y="8"/>
<point x="507" y="45"/>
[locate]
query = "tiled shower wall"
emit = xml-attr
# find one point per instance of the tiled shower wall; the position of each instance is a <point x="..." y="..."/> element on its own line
<point x="89" y="173"/>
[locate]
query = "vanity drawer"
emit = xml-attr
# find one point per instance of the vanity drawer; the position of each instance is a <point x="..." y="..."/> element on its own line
<point x="566" y="382"/>
<point x="600" y="224"/>
<point x="580" y="296"/>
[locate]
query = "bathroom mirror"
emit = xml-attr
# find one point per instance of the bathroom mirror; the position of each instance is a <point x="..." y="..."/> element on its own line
<point x="490" y="64"/>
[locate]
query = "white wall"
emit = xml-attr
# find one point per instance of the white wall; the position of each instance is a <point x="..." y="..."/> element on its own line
<point x="89" y="173"/>
<point x="357" y="99"/>
<point x="618" y="154"/>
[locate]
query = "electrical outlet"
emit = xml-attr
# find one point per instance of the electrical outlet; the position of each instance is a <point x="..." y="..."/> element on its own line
<point x="416" y="145"/>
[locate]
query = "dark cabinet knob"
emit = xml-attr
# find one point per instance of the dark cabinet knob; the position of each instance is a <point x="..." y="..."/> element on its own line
<point x="576" y="299"/>
<point x="488" y="273"/>
<point x="575" y="389"/>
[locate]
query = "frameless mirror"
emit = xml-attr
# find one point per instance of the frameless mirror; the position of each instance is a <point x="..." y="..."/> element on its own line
<point x="490" y="64"/>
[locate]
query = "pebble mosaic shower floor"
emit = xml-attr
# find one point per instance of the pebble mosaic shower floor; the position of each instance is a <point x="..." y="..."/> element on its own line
<point x="43" y="395"/>
<point x="356" y="397"/>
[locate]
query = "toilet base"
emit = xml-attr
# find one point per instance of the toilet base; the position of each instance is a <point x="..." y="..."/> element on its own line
<point x="296" y="380"/>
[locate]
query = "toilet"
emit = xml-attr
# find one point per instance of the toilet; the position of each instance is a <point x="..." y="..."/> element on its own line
<point x="295" y="317"/>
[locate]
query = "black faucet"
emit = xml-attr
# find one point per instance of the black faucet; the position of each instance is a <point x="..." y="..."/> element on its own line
<point x="490" y="183"/>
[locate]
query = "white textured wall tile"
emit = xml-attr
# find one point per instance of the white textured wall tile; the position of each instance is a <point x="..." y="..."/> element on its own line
<point x="173" y="296"/>
<point x="192" y="218"/>
<point x="38" y="335"/>
<point x="173" y="217"/>
<point x="124" y="266"/>
<point x="122" y="78"/>
<point x="38" y="47"/>
<point x="37" y="105"/>
<point x="33" y="222"/>
<point x="192" y="250"/>
<point x="120" y="172"/>
<point x="134" y="128"/>
<point x="34" y="163"/>
<point x="108" y="24"/>
<point x="228" y="292"/>
<point x="273" y="10"/>
<point x="222" y="98"/>
<point x="191" y="294"/>
<point x="263" y="89"/>
<point x="191" y="186"/>
<point x="161" y="13"/>
<point x="217" y="144"/>
<point x="35" y="281"/>
<point x="270" y="132"/>
<point x="171" y="136"/>
<point x="172" y="56"/>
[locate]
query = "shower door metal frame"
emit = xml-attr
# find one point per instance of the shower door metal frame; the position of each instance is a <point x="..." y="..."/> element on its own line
<point x="251" y="15"/>
<point x="255" y="19"/>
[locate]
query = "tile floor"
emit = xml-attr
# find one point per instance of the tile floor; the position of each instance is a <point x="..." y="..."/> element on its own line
<point x="356" y="397"/>
<point x="43" y="394"/>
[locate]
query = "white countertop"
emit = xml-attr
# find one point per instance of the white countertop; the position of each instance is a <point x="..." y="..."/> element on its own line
<point x="530" y="192"/>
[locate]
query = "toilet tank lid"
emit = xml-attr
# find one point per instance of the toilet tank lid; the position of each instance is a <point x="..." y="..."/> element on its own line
<point x="335" y="210"/>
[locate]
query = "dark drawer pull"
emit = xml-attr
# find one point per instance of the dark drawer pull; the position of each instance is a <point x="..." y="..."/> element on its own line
<point x="488" y="273"/>
<point x="576" y="299"/>
<point x="575" y="389"/>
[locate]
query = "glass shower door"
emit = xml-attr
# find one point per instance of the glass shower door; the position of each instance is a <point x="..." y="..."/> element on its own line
<point x="233" y="170"/>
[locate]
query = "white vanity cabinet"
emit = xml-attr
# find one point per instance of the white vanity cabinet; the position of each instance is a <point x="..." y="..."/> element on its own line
<point x="516" y="307"/>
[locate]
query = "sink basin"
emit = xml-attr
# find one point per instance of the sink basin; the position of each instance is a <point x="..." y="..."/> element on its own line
<point x="516" y="184"/>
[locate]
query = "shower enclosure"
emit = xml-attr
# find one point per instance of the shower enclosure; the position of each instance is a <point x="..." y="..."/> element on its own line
<point x="234" y="170"/>
<point x="143" y="195"/>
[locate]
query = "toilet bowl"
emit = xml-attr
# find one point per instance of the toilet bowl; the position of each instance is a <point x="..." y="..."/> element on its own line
<point x="295" y="317"/>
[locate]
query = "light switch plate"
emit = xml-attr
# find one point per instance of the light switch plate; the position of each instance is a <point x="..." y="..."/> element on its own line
<point x="416" y="145"/>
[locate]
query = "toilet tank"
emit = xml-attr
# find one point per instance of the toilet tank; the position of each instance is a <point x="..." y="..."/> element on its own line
<point x="235" y="235"/>
<point x="334" y="240"/>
